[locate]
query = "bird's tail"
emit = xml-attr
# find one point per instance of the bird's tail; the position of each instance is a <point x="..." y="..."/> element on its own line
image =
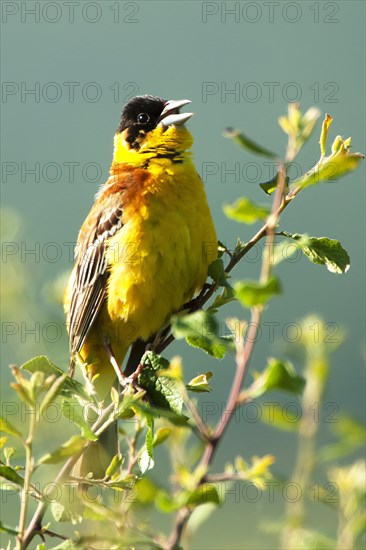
<point x="98" y="455"/>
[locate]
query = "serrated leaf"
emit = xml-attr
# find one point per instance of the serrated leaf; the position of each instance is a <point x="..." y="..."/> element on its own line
<point x="72" y="410"/>
<point x="215" y="349"/>
<point x="69" y="448"/>
<point x="161" y="390"/>
<point x="10" y="474"/>
<point x="246" y="211"/>
<point x="247" y="143"/>
<point x="8" y="428"/>
<point x="202" y="330"/>
<point x="156" y="412"/>
<point x="278" y="375"/>
<point x="323" y="251"/>
<point x="253" y="293"/>
<point x="43" y="364"/>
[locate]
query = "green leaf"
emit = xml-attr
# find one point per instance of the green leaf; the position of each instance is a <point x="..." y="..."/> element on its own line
<point x="53" y="392"/>
<point x="224" y="298"/>
<point x="43" y="364"/>
<point x="245" y="211"/>
<point x="67" y="511"/>
<point x="339" y="162"/>
<point x="221" y="249"/>
<point x="8" y="530"/>
<point x="216" y="270"/>
<point x="115" y="465"/>
<point x="10" y="474"/>
<point x="324" y="134"/>
<point x="162" y="391"/>
<point x="253" y="293"/>
<point x="167" y="504"/>
<point x="269" y="186"/>
<point x="206" y="492"/>
<point x="146" y="490"/>
<point x="8" y="428"/>
<point x="200" y="515"/>
<point x="162" y="435"/>
<point x="247" y="143"/>
<point x="351" y="436"/>
<point x="69" y="448"/>
<point x="200" y="383"/>
<point x="278" y="375"/>
<point x="280" y="417"/>
<point x="156" y="412"/>
<point x="298" y="127"/>
<point x="202" y="330"/>
<point x="72" y="410"/>
<point x="216" y="349"/>
<point x="323" y="251"/>
<point x="146" y="459"/>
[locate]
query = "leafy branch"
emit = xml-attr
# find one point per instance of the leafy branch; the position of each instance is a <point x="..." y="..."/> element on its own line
<point x="160" y="393"/>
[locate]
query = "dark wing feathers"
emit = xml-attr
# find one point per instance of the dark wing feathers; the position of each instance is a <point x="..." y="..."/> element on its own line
<point x="91" y="269"/>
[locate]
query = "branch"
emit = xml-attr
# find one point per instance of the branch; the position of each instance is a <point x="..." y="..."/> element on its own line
<point x="279" y="204"/>
<point x="244" y="352"/>
<point x="98" y="427"/>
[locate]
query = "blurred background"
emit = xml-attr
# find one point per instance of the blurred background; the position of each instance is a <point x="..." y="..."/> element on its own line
<point x="68" y="68"/>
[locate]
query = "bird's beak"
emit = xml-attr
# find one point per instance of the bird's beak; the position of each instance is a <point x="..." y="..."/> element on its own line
<point x="171" y="115"/>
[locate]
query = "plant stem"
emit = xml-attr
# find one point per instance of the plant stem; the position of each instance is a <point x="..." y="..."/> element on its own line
<point x="29" y="463"/>
<point x="36" y="523"/>
<point x="316" y="375"/>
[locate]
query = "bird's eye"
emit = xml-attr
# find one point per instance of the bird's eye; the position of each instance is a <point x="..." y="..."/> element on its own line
<point x="143" y="118"/>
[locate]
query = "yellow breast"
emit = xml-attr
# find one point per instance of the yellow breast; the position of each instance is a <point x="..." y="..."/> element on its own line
<point x="161" y="255"/>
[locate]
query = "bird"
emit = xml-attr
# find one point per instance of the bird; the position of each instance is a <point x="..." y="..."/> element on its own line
<point x="142" y="252"/>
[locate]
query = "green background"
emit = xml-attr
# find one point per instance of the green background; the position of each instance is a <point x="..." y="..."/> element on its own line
<point x="312" y="51"/>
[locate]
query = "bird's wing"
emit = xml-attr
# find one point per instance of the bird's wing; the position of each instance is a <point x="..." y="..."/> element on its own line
<point x="90" y="275"/>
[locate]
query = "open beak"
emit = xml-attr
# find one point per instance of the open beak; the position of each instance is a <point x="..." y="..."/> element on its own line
<point x="171" y="115"/>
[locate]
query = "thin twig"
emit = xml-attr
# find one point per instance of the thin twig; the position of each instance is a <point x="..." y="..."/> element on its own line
<point x="29" y="463"/>
<point x="35" y="525"/>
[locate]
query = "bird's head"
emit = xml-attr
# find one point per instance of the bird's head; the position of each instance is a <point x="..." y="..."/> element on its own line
<point x="151" y="127"/>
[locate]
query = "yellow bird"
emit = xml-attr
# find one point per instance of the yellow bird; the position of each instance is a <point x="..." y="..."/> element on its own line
<point x="142" y="252"/>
